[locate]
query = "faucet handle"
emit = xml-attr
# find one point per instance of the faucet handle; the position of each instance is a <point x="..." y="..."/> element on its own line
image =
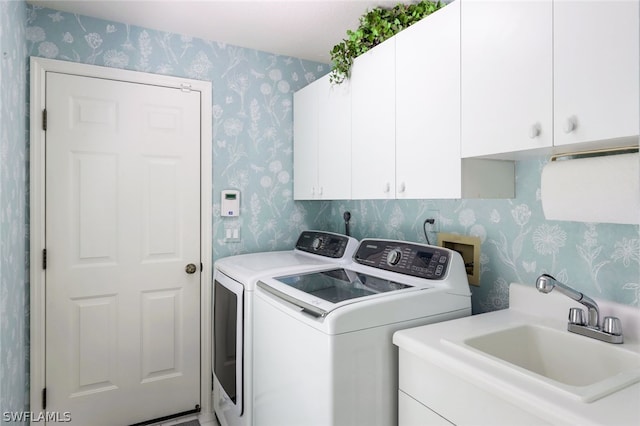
<point x="576" y="316"/>
<point x="612" y="325"/>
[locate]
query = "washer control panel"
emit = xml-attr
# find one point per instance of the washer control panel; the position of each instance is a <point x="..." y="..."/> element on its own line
<point x="324" y="244"/>
<point x="418" y="260"/>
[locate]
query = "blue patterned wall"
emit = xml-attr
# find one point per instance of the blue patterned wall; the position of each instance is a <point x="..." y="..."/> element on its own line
<point x="252" y="146"/>
<point x="252" y="141"/>
<point x="14" y="288"/>
<point x="252" y="112"/>
<point x="518" y="244"/>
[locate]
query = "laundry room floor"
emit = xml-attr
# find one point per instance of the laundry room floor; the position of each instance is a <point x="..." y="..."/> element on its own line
<point x="185" y="422"/>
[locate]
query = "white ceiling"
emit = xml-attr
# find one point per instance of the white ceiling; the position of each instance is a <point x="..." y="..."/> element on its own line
<point x="306" y="29"/>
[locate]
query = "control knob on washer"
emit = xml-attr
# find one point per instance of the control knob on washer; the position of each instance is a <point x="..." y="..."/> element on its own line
<point x="394" y="256"/>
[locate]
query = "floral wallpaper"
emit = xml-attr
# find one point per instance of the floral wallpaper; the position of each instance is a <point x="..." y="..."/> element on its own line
<point x="252" y="152"/>
<point x="518" y="244"/>
<point x="252" y="112"/>
<point x="252" y="140"/>
<point x="14" y="287"/>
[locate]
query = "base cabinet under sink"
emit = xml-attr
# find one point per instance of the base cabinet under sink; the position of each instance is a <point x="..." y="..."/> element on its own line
<point x="429" y="395"/>
<point x="413" y="413"/>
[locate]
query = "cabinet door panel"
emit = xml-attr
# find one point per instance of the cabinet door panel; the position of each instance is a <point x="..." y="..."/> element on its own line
<point x="506" y="76"/>
<point x="595" y="70"/>
<point x="413" y="413"/>
<point x="428" y="107"/>
<point x="373" y="123"/>
<point x="334" y="142"/>
<point x="305" y="142"/>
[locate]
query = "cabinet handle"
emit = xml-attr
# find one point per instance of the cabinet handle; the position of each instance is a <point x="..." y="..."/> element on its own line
<point x="387" y="188"/>
<point x="313" y="191"/>
<point x="401" y="188"/>
<point x="320" y="191"/>
<point x="571" y="124"/>
<point x="535" y="131"/>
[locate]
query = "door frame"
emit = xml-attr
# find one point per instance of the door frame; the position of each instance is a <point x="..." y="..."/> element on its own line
<point x="39" y="68"/>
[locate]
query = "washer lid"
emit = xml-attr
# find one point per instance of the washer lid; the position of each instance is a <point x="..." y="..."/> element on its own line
<point x="318" y="293"/>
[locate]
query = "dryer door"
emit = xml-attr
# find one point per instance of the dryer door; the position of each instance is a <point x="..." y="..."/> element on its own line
<point x="228" y="332"/>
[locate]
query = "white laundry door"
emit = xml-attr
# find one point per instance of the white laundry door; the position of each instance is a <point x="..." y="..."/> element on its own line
<point x="122" y="224"/>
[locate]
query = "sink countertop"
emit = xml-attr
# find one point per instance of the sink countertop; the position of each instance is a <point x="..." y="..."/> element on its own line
<point x="528" y="306"/>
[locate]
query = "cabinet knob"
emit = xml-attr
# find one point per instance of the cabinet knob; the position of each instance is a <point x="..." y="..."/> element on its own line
<point x="535" y="131"/>
<point x="401" y="188"/>
<point x="387" y="188"/>
<point x="571" y="124"/>
<point x="313" y="191"/>
<point x="320" y="191"/>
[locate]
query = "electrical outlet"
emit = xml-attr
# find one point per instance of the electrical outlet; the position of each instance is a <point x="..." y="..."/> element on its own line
<point x="435" y="215"/>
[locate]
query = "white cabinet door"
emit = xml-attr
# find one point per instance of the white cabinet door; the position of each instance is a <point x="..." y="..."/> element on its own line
<point x="595" y="70"/>
<point x="305" y="142"/>
<point x="413" y="413"/>
<point x="428" y="107"/>
<point x="322" y="141"/>
<point x="506" y="76"/>
<point x="334" y="141"/>
<point x="373" y="123"/>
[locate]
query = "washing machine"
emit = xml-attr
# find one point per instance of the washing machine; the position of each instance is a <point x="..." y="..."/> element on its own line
<point x="323" y="351"/>
<point x="235" y="278"/>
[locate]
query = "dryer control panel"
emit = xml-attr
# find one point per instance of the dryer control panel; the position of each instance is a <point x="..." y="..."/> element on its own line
<point x="418" y="260"/>
<point x="325" y="244"/>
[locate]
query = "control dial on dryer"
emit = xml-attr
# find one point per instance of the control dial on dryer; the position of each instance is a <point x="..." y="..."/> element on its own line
<point x="394" y="256"/>
<point x="316" y="243"/>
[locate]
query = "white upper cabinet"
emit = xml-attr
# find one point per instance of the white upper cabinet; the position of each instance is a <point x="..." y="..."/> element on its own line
<point x="506" y="76"/>
<point x="559" y="74"/>
<point x="401" y="108"/>
<point x="373" y="123"/>
<point x="305" y="142"/>
<point x="428" y="107"/>
<point x="478" y="78"/>
<point x="428" y="163"/>
<point x="334" y="149"/>
<point x="596" y="73"/>
<point x="322" y="141"/>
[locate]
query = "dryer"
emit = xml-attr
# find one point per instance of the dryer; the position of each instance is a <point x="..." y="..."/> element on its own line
<point x="235" y="279"/>
<point x="323" y="351"/>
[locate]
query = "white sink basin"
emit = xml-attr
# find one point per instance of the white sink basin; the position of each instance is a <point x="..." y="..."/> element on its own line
<point x="585" y="368"/>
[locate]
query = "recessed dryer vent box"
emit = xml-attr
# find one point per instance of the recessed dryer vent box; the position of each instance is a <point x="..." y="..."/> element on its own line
<point x="469" y="249"/>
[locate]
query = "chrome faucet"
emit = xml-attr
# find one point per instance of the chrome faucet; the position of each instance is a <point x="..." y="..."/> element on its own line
<point x="611" y="331"/>
<point x="546" y="283"/>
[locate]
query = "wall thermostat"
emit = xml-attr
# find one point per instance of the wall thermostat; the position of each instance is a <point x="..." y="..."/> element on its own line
<point x="230" y="203"/>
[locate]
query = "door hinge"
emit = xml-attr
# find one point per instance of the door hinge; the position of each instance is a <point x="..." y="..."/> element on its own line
<point x="44" y="259"/>
<point x="185" y="87"/>
<point x="44" y="120"/>
<point x="44" y="398"/>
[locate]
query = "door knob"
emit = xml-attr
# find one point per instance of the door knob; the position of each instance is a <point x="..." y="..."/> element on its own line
<point x="190" y="268"/>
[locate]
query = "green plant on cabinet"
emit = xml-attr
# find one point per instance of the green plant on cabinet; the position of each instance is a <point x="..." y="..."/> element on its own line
<point x="376" y="26"/>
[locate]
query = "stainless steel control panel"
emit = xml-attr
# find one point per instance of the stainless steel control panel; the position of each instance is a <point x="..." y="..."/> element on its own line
<point x="418" y="260"/>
